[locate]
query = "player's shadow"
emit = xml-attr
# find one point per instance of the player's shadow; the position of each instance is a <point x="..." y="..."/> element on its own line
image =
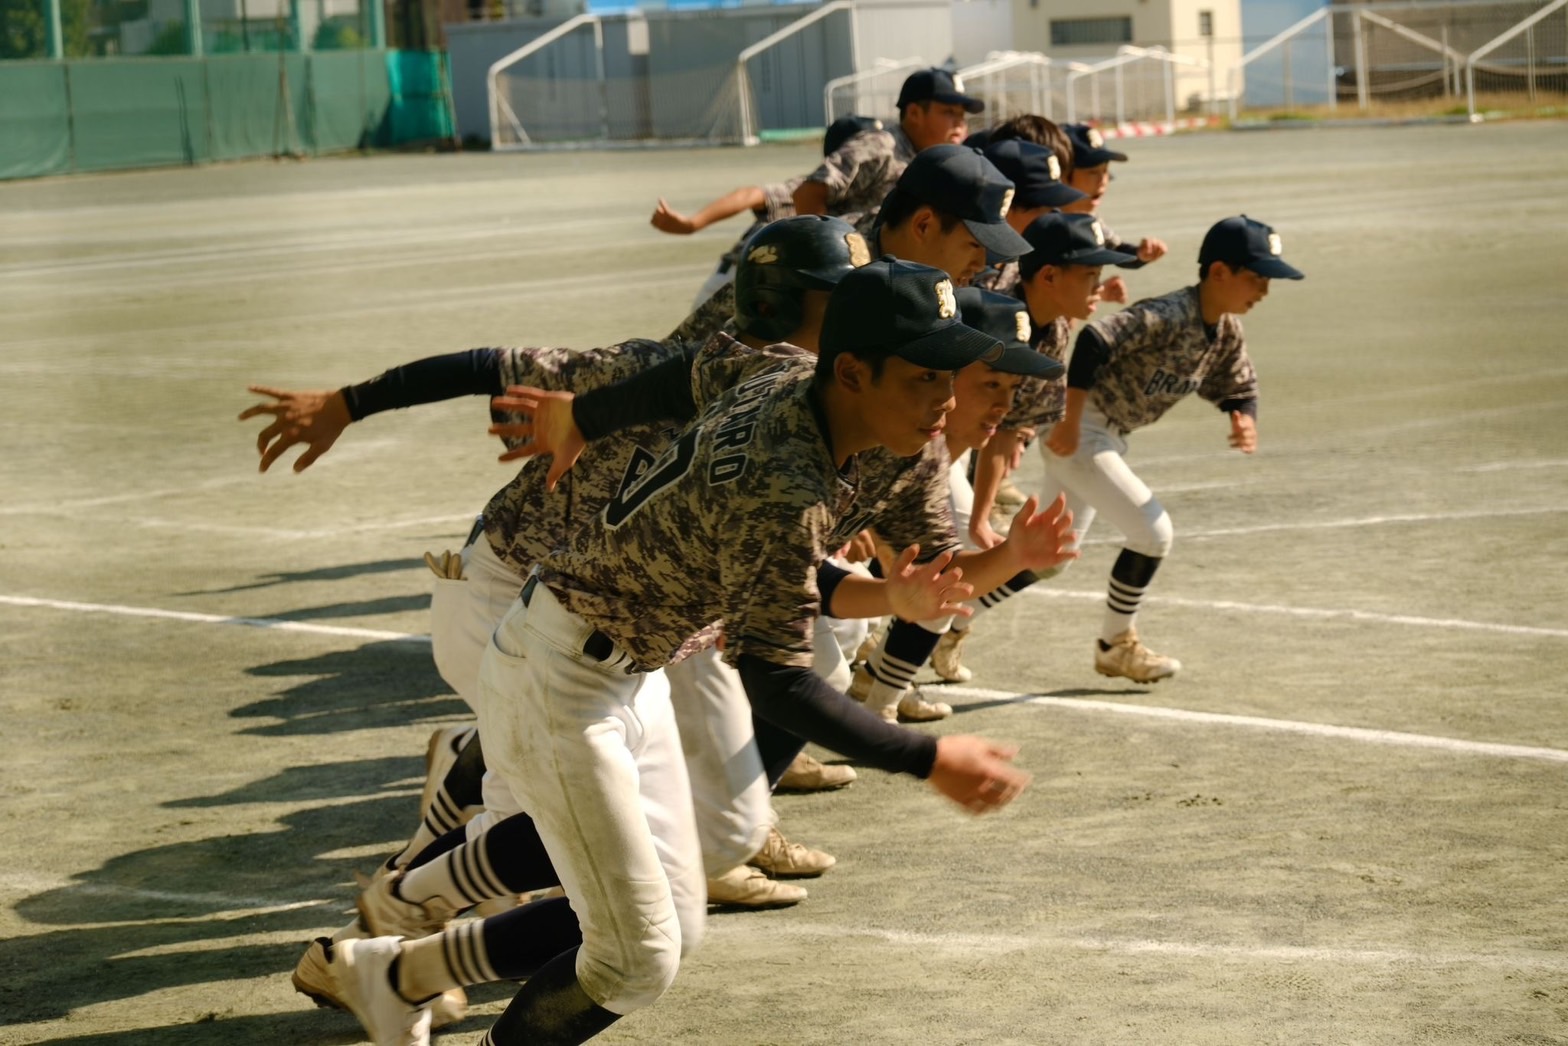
<point x="212" y="1028"/>
<point x="1022" y="699"/>
<point x="192" y="912"/>
<point x="361" y="608"/>
<point x="380" y="684"/>
<point x="337" y="573"/>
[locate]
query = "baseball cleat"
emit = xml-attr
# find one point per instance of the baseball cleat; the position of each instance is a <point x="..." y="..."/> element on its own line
<point x="807" y="774"/>
<point x="313" y="979"/>
<point x="440" y="754"/>
<point x="860" y="690"/>
<point x="746" y="887"/>
<point x="946" y="658"/>
<point x="360" y="973"/>
<point x="1127" y="658"/>
<point x="384" y="914"/>
<point x="915" y="708"/>
<point x="782" y="859"/>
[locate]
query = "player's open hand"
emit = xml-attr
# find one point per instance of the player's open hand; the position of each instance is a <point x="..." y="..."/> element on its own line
<point x="315" y="418"/>
<point x="1042" y="540"/>
<point x="667" y="219"/>
<point x="1243" y="432"/>
<point x="862" y="548"/>
<point x="977" y="774"/>
<point x="920" y="592"/>
<point x="1151" y="250"/>
<point x="545" y="426"/>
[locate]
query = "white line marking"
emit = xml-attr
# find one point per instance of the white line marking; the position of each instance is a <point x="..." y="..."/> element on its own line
<point x="215" y="619"/>
<point x="1374" y="521"/>
<point x="234" y="906"/>
<point x="1312" y="613"/>
<point x="994" y="943"/>
<point x="1508" y="466"/>
<point x="1345" y="733"/>
<point x="1385" y="737"/>
<point x="282" y="534"/>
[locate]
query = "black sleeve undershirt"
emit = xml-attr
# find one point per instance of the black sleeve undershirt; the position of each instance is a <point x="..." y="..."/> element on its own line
<point x="1090" y="353"/>
<point x="828" y="576"/>
<point x="660" y="393"/>
<point x="796" y="700"/>
<point x="476" y="372"/>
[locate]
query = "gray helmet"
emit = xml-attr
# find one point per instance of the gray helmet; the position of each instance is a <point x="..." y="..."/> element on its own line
<point x="782" y="261"/>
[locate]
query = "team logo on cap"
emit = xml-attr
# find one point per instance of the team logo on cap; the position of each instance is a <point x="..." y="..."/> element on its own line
<point x="1023" y="324"/>
<point x="859" y="252"/>
<point x="958" y="83"/>
<point x="767" y="254"/>
<point x="1099" y="232"/>
<point x="1007" y="201"/>
<point x="1055" y="167"/>
<point x="1276" y="248"/>
<point x="946" y="300"/>
<point x="1096" y="139"/>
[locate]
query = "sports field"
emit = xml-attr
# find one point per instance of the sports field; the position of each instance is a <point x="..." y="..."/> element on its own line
<point x="1345" y="822"/>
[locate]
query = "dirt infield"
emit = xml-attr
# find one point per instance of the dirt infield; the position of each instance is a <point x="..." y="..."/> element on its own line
<point x="1346" y="822"/>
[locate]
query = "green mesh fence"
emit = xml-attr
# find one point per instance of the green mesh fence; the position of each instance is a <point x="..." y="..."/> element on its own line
<point x="106" y="114"/>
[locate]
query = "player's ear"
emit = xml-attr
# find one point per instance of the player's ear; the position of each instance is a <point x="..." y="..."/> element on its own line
<point x="850" y="372"/>
<point x="924" y="221"/>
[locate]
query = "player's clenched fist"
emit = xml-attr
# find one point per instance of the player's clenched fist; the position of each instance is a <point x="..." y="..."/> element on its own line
<point x="977" y="774"/>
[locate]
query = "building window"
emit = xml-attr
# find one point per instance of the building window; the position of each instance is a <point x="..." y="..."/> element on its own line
<point x="1205" y="23"/>
<point x="1065" y="32"/>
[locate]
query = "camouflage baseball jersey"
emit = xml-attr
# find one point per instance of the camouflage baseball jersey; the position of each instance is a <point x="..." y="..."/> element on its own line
<point x="729" y="523"/>
<point x="778" y="201"/>
<point x="861" y="172"/>
<point x="1002" y="279"/>
<point x="1040" y="403"/>
<point x="1159" y="352"/>
<point x="715" y="314"/>
<point x="523" y="521"/>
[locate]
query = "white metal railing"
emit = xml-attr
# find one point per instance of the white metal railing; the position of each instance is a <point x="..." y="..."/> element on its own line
<point x="883" y="67"/>
<point x="1498" y="41"/>
<point x="1037" y="68"/>
<point x="1279" y="38"/>
<point x="1126" y="55"/>
<point x="748" y="115"/>
<point x="500" y="107"/>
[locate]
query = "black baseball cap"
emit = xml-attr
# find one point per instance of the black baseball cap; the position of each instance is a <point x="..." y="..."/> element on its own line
<point x="1089" y="145"/>
<point x="1067" y="239"/>
<point x="960" y="181"/>
<point x="898" y="308"/>
<point x="845" y="128"/>
<point x="1007" y="319"/>
<point x="1035" y="172"/>
<point x="1242" y="243"/>
<point x="937" y="85"/>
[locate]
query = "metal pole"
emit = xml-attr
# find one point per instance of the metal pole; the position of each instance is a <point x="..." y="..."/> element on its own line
<point x="1446" y="92"/>
<point x="1362" y="99"/>
<point x="1213" y="107"/>
<point x="193" y="28"/>
<point x="378" y="25"/>
<point x="1529" y="62"/>
<point x="1170" y="92"/>
<point x="1290" y="93"/>
<point x="1121" y="108"/>
<point x="1333" y="80"/>
<point x="604" y="86"/>
<point x="54" y="34"/>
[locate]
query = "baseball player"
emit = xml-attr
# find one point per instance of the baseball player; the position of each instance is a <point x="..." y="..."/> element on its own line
<point x="767" y="203"/>
<point x="1126" y="371"/>
<point x="1091" y="175"/>
<point x="856" y="177"/>
<point x="730" y="523"/>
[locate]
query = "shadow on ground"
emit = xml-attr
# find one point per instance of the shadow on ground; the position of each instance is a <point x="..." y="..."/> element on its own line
<point x="380" y="684"/>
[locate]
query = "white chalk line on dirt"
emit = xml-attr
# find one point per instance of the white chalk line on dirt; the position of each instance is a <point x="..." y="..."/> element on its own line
<point x="1291" y="726"/>
<point x="233" y="907"/>
<point x="1385" y="737"/>
<point x="994" y="943"/>
<point x="1313" y="613"/>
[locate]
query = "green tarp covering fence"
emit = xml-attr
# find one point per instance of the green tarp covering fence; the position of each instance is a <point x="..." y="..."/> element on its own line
<point x="107" y="114"/>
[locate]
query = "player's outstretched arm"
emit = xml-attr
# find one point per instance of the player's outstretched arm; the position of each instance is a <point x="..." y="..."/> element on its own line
<point x="667" y="219"/>
<point x="977" y="774"/>
<point x="315" y="418"/>
<point x="546" y="427"/>
<point x="912" y="591"/>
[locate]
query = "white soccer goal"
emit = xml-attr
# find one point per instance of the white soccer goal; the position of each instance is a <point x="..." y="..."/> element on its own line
<point x="869" y="92"/>
<point x="1015" y="83"/>
<point x="552" y="90"/>
<point x="1138" y="84"/>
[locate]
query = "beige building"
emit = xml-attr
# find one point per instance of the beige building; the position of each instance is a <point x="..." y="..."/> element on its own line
<point x="1206" y="32"/>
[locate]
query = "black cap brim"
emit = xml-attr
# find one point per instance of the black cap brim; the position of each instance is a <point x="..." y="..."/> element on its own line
<point x="971" y="104"/>
<point x="1095" y="157"/>
<point x="1035" y="261"/>
<point x="999" y="239"/>
<point x="952" y="347"/>
<point x="1275" y="269"/>
<point x="1018" y="358"/>
<point x="1056" y="194"/>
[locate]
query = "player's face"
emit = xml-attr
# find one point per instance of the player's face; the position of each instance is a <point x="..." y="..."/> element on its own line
<point x="907" y="406"/>
<point x="1072" y="291"/>
<point x="1242" y="288"/>
<point x="954" y="251"/>
<point x="982" y="397"/>
<point x="1092" y="181"/>
<point x="932" y="123"/>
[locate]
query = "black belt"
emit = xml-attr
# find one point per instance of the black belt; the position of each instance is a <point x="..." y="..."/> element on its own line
<point x="598" y="646"/>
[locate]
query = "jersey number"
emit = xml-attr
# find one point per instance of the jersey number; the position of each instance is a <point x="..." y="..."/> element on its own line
<point x="647" y="475"/>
